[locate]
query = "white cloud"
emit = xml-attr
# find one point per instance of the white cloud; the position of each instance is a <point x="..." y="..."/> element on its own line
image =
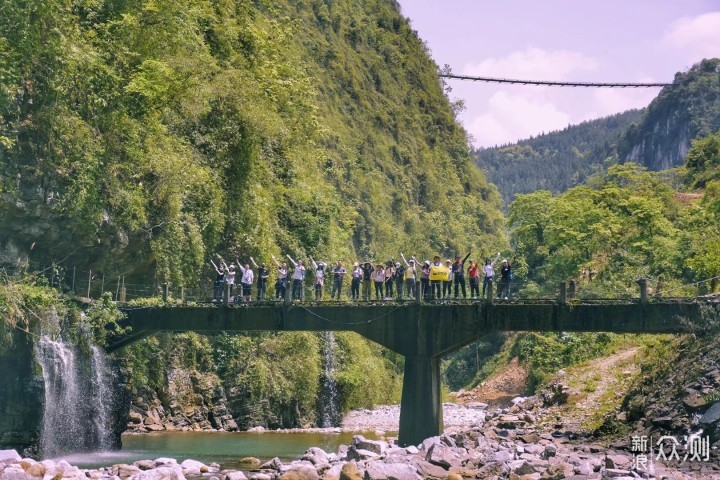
<point x="534" y="64"/>
<point x="513" y="116"/>
<point x="696" y="37"/>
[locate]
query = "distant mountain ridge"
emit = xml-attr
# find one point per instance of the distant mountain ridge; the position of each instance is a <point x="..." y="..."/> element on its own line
<point x="658" y="137"/>
<point x="555" y="161"/>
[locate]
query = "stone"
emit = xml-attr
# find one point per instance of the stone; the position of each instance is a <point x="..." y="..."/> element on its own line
<point x="155" y="427"/>
<point x="362" y="443"/>
<point x="615" y="473"/>
<point x="525" y="469"/>
<point x="316" y="456"/>
<point x="712" y="415"/>
<point x="550" y="451"/>
<point x="454" y="476"/>
<point x="15" y="473"/>
<point x="350" y="471"/>
<point x="412" y="450"/>
<point x="159" y="462"/>
<point x="333" y="473"/>
<point x="389" y="471"/>
<point x="300" y="472"/>
<point x="429" y="442"/>
<point x="249" y="461"/>
<point x="260" y="476"/>
<point x="502" y="456"/>
<point x="36" y="470"/>
<point x="443" y="456"/>
<point x="9" y="456"/>
<point x="274" y="464"/>
<point x="360" y="454"/>
<point x="144" y="464"/>
<point x="167" y="472"/>
<point x="426" y="469"/>
<point x="193" y="467"/>
<point x="135" y="418"/>
<point x="124" y="470"/>
<point x="238" y="475"/>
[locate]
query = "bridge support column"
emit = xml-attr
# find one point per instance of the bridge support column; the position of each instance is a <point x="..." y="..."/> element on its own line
<point x="421" y="404"/>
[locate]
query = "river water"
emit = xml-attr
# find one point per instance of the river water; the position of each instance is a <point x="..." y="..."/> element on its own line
<point x="220" y="447"/>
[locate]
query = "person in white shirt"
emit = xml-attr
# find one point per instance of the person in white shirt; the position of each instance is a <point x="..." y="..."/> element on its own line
<point x="247" y="279"/>
<point x="229" y="278"/>
<point x="410" y="276"/>
<point x="357" y="275"/>
<point x="298" y="292"/>
<point x="447" y="284"/>
<point x="379" y="277"/>
<point x="282" y="280"/>
<point x="319" y="279"/>
<point x="489" y="271"/>
<point x="389" y="277"/>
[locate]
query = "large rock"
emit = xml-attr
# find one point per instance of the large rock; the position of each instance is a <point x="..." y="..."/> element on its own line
<point x="274" y="464"/>
<point x="712" y="415"/>
<point x="390" y="471"/>
<point x="9" y="456"/>
<point x="300" y="472"/>
<point x="169" y="472"/>
<point x="350" y="471"/>
<point x="238" y="475"/>
<point x="427" y="469"/>
<point x="15" y="473"/>
<point x="193" y="467"/>
<point x="443" y="456"/>
<point x="316" y="456"/>
<point x="375" y="446"/>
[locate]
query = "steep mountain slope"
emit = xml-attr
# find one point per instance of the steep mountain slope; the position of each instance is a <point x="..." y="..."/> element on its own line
<point x="555" y="161"/>
<point x="139" y="136"/>
<point x="686" y="110"/>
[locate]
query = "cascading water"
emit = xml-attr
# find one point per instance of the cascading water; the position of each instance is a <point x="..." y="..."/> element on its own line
<point x="78" y="398"/>
<point x="329" y="406"/>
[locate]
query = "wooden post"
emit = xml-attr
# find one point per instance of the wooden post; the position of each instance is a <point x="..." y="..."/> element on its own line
<point x="660" y="285"/>
<point x="643" y="290"/>
<point x="489" y="291"/>
<point x="73" y="286"/>
<point x="117" y="290"/>
<point x="182" y="294"/>
<point x="418" y="292"/>
<point x="563" y="293"/>
<point x="226" y="298"/>
<point x="123" y="294"/>
<point x="89" y="283"/>
<point x="571" y="289"/>
<point x="102" y="285"/>
<point x="288" y="292"/>
<point x="165" y="292"/>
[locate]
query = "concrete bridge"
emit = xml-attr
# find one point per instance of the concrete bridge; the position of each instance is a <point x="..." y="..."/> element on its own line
<point x="422" y="333"/>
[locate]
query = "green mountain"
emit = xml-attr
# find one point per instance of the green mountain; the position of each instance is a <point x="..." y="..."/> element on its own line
<point x="686" y="110"/>
<point x="141" y="136"/>
<point x="555" y="161"/>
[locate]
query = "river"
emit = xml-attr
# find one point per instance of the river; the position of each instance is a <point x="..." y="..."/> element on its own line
<point x="220" y="447"/>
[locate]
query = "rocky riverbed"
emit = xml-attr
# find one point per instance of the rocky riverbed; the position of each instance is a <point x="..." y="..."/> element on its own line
<point x="501" y="444"/>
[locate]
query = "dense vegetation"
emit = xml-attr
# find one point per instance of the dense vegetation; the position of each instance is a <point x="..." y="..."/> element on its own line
<point x="157" y="132"/>
<point x="555" y="161"/>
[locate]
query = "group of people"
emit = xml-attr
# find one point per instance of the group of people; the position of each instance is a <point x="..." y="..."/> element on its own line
<point x="431" y="280"/>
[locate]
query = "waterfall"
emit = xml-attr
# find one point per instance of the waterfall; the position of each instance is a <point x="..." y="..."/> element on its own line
<point x="329" y="402"/>
<point x="78" y="398"/>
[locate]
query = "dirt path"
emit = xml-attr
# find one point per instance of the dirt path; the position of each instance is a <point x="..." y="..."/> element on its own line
<point x="499" y="390"/>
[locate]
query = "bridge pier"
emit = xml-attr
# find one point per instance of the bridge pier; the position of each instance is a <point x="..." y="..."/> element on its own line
<point x="421" y="404"/>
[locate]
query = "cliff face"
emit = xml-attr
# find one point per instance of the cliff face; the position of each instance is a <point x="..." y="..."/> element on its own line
<point x="682" y="112"/>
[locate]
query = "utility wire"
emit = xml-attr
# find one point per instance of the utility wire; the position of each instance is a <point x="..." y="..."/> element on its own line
<point x="551" y="83"/>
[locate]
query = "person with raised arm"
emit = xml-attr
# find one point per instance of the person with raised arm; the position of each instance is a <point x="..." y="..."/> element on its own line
<point x="458" y="274"/>
<point x="338" y="272"/>
<point x="246" y="280"/>
<point x="282" y="280"/>
<point x="473" y="272"/>
<point x="263" y="274"/>
<point x="319" y="279"/>
<point x="229" y="277"/>
<point x="410" y="275"/>
<point x="489" y="271"/>
<point x="219" y="282"/>
<point x="298" y="279"/>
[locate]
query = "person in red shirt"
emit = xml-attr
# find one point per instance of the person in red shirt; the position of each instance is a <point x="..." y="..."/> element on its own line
<point x="474" y="276"/>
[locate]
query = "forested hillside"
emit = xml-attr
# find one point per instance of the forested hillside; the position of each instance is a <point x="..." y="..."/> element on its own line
<point x="686" y="110"/>
<point x="141" y="136"/>
<point x="555" y="161"/>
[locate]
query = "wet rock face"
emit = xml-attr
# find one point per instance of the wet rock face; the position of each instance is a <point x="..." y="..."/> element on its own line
<point x="21" y="396"/>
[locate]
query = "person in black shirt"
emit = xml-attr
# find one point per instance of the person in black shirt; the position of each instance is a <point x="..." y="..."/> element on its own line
<point x="367" y="270"/>
<point x="219" y="282"/>
<point x="262" y="278"/>
<point x="505" y="275"/>
<point x="338" y="272"/>
<point x="458" y="274"/>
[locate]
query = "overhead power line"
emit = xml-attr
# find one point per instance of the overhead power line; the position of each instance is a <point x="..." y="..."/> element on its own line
<point x="550" y="83"/>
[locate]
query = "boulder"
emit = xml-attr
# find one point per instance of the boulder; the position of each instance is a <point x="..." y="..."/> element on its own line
<point x="429" y="442"/>
<point x="9" y="456"/>
<point x="238" y="475"/>
<point x="443" y="456"/>
<point x="375" y="446"/>
<point x="124" y="470"/>
<point x="360" y="454"/>
<point x="36" y="470"/>
<point x="333" y="473"/>
<point x="162" y="461"/>
<point x="135" y="418"/>
<point x="316" y="456"/>
<point x="249" y="461"/>
<point x="300" y="472"/>
<point x="144" y="464"/>
<point x="260" y="476"/>
<point x="168" y="472"/>
<point x="193" y="467"/>
<point x="615" y="473"/>
<point x="390" y="471"/>
<point x="428" y="470"/>
<point x="712" y="415"/>
<point x="350" y="471"/>
<point x="274" y="464"/>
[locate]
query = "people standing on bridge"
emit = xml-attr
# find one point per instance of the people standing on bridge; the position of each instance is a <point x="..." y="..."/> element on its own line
<point x="379" y="277"/>
<point x="357" y="274"/>
<point x="435" y="285"/>
<point x="263" y="274"/>
<point x="505" y="277"/>
<point x="447" y="284"/>
<point x="410" y="275"/>
<point x="319" y="279"/>
<point x="367" y="270"/>
<point x="219" y="282"/>
<point x="474" y="276"/>
<point x="338" y="272"/>
<point x="458" y="274"/>
<point x="246" y="280"/>
<point x="389" y="279"/>
<point x="399" y="279"/>
<point x="282" y="281"/>
<point x="229" y="279"/>
<point x="298" y="292"/>
<point x="489" y="272"/>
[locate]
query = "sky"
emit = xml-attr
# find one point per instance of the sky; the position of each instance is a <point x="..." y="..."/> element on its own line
<point x="604" y="41"/>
